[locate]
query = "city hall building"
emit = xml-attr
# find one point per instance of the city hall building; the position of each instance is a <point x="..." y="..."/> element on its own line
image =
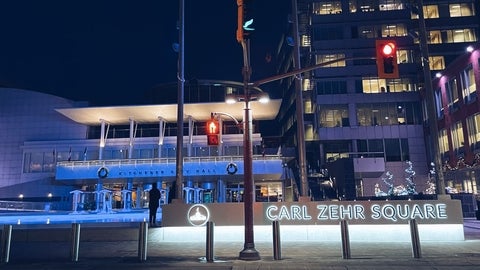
<point x="98" y="158"/>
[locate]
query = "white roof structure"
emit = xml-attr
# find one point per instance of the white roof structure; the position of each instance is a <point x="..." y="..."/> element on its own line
<point x="120" y="115"/>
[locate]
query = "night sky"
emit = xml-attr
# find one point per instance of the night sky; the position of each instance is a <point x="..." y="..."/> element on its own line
<point x="112" y="52"/>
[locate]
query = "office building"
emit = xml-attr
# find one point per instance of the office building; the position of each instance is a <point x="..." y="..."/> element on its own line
<point x="357" y="124"/>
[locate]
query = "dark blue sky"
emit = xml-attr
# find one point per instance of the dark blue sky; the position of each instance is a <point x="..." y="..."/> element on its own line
<point x="111" y="52"/>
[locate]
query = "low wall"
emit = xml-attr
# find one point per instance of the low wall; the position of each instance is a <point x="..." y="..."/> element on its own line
<point x="438" y="220"/>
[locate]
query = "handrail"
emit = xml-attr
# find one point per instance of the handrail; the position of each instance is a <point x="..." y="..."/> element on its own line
<point x="161" y="160"/>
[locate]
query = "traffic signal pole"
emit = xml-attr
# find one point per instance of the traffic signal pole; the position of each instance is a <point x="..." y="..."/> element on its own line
<point x="430" y="99"/>
<point x="249" y="252"/>
<point x="180" y="100"/>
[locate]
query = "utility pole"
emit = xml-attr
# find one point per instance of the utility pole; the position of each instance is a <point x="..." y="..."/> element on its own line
<point x="180" y="98"/>
<point x="302" y="156"/>
<point x="249" y="252"/>
<point x="430" y="100"/>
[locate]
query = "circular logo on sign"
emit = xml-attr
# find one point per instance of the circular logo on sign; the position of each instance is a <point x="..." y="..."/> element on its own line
<point x="198" y="215"/>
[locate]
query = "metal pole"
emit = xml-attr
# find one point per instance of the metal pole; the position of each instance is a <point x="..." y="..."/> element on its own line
<point x="249" y="252"/>
<point x="143" y="241"/>
<point x="277" y="249"/>
<point x="180" y="101"/>
<point x="75" y="242"/>
<point x="345" y="239"/>
<point x="430" y="99"/>
<point x="416" y="250"/>
<point x="299" y="110"/>
<point x="6" y="241"/>
<point x="210" y="241"/>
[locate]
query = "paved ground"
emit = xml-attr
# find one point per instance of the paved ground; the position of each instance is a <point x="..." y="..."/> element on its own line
<point x="98" y="251"/>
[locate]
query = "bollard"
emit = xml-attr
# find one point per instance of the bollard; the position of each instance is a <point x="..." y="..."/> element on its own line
<point x="209" y="243"/>
<point x="6" y="241"/>
<point x="143" y="241"/>
<point x="75" y="241"/>
<point x="416" y="250"/>
<point x="277" y="252"/>
<point x="345" y="239"/>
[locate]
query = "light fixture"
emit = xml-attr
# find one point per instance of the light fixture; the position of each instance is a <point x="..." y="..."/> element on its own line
<point x="470" y="49"/>
<point x="438" y="75"/>
<point x="263" y="98"/>
<point x="231" y="98"/>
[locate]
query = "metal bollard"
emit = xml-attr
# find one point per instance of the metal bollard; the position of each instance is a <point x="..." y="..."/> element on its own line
<point x="6" y="241"/>
<point x="277" y="249"/>
<point x="209" y="243"/>
<point x="75" y="242"/>
<point x="345" y="239"/>
<point x="416" y="250"/>
<point x="142" y="241"/>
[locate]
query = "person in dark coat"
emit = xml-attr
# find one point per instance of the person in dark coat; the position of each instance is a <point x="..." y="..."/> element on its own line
<point x="154" y="198"/>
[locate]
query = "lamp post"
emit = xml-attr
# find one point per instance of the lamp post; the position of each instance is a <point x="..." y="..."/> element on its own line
<point x="249" y="252"/>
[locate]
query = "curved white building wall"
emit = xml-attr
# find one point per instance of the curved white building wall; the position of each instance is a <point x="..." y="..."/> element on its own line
<point x="30" y="116"/>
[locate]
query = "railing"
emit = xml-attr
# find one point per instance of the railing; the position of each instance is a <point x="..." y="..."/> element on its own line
<point x="27" y="206"/>
<point x="161" y="160"/>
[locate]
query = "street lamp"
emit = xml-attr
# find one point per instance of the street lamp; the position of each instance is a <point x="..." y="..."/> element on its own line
<point x="249" y="252"/>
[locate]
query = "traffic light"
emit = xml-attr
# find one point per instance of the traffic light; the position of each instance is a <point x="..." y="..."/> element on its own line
<point x="387" y="65"/>
<point x="213" y="131"/>
<point x="244" y="20"/>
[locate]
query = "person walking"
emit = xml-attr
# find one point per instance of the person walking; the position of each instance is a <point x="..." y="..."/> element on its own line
<point x="154" y="198"/>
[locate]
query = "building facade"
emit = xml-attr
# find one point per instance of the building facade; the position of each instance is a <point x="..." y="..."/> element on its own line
<point x="81" y="158"/>
<point x="352" y="117"/>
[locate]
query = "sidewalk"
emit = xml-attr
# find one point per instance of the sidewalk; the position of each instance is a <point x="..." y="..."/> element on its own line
<point x="294" y="255"/>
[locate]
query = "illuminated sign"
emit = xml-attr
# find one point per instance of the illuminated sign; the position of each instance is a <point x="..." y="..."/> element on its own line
<point x="316" y="213"/>
<point x="325" y="212"/>
<point x="198" y="215"/>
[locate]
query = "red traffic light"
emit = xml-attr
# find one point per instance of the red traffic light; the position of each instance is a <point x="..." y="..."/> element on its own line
<point x="213" y="127"/>
<point x="213" y="130"/>
<point x="387" y="66"/>
<point x="388" y="49"/>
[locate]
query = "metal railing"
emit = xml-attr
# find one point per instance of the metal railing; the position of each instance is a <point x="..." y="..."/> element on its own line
<point x="161" y="160"/>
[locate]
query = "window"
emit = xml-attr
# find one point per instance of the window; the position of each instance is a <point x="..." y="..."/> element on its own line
<point x="443" y="142"/>
<point x="434" y="37"/>
<point x="405" y="56"/>
<point x="438" y="103"/>
<point x="393" y="149"/>
<point x="399" y="85"/>
<point x="373" y="85"/>
<point x="337" y="149"/>
<point x="473" y="129"/>
<point x="460" y="35"/>
<point x="328" y="32"/>
<point x="320" y="59"/>
<point x="461" y="10"/>
<point x="331" y="87"/>
<point x="385" y="5"/>
<point x="327" y="7"/>
<point x="393" y="113"/>
<point x="394" y="30"/>
<point x="452" y="95"/>
<point x="457" y="137"/>
<point x="38" y="162"/>
<point x="430" y="12"/>
<point x="469" y="87"/>
<point x="334" y="115"/>
<point x="368" y="31"/>
<point x="352" y="6"/>
<point x="436" y="62"/>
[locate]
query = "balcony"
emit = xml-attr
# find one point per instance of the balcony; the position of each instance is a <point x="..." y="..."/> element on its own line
<point x="265" y="167"/>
